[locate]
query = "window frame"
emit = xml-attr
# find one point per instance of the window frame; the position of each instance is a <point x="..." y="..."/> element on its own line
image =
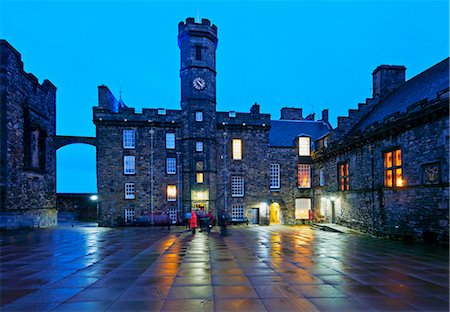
<point x="237" y="186"/>
<point x="129" y="138"/>
<point x="130" y="190"/>
<point x="169" y="144"/>
<point x="172" y="165"/>
<point x="274" y="176"/>
<point x="343" y="178"/>
<point x="393" y="169"/>
<point x="169" y="197"/>
<point x="237" y="150"/>
<point x="129" y="167"/>
<point x="237" y="213"/>
<point x="299" y="176"/>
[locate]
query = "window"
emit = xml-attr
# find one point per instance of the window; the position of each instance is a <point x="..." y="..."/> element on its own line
<point x="393" y="173"/>
<point x="343" y="176"/>
<point x="35" y="149"/>
<point x="129" y="138"/>
<point x="171" y="165"/>
<point x="237" y="213"/>
<point x="321" y="177"/>
<point x="274" y="176"/>
<point x="304" y="176"/>
<point x="161" y="111"/>
<point x="199" y="165"/>
<point x="237" y="149"/>
<point x="198" y="53"/>
<point x="302" y="208"/>
<point x="170" y="140"/>
<point x="171" y="193"/>
<point x="199" y="177"/>
<point x="198" y="116"/>
<point x="237" y="186"/>
<point x="129" y="215"/>
<point x="199" y="146"/>
<point x="304" y="146"/>
<point x="129" y="191"/>
<point x="129" y="165"/>
<point x="325" y="142"/>
<point x="232" y="114"/>
<point x="173" y="215"/>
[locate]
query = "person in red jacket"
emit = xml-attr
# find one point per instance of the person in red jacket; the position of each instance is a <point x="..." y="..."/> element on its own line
<point x="193" y="221"/>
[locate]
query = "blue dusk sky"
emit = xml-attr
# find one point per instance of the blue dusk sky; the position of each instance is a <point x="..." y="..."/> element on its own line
<point x="308" y="54"/>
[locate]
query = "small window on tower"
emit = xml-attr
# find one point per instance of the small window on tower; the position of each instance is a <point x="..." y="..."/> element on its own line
<point x="198" y="53"/>
<point x="198" y="116"/>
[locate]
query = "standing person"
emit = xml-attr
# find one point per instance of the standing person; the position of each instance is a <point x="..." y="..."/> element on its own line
<point x="168" y="220"/>
<point x="223" y="223"/>
<point x="210" y="216"/>
<point x="188" y="216"/>
<point x="193" y="221"/>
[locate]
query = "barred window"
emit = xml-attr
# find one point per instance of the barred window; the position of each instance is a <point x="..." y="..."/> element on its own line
<point x="173" y="215"/>
<point x="237" y="213"/>
<point x="343" y="176"/>
<point x="171" y="192"/>
<point x="199" y="146"/>
<point x="304" y="176"/>
<point x="237" y="149"/>
<point x="393" y="172"/>
<point x="274" y="176"/>
<point x="129" y="138"/>
<point x="304" y="146"/>
<point x="129" y="215"/>
<point x="129" y="191"/>
<point x="129" y="166"/>
<point x="237" y="186"/>
<point x="170" y="140"/>
<point x="171" y="165"/>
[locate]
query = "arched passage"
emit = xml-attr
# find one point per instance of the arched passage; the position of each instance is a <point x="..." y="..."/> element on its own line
<point x="76" y="169"/>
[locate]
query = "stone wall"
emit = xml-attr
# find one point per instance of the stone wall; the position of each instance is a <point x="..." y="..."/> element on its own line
<point x="28" y="183"/>
<point x="81" y="205"/>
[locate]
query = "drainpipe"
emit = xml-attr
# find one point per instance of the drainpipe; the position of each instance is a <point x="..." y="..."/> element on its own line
<point x="180" y="185"/>
<point x="372" y="147"/>
<point x="225" y="172"/>
<point x="152" y="132"/>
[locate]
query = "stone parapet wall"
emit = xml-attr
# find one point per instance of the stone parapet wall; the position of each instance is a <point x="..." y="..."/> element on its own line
<point x="28" y="218"/>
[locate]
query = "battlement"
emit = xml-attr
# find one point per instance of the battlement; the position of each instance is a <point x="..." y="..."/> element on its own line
<point x="192" y="29"/>
<point x="191" y="24"/>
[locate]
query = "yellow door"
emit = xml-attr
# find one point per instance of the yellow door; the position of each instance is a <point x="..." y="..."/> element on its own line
<point x="275" y="213"/>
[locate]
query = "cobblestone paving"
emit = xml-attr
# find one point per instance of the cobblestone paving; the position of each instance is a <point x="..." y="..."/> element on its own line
<point x="275" y="268"/>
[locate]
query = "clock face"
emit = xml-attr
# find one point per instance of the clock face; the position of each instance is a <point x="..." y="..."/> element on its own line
<point x="199" y="83"/>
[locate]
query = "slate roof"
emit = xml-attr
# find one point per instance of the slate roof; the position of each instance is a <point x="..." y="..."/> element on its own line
<point x="425" y="85"/>
<point x="283" y="132"/>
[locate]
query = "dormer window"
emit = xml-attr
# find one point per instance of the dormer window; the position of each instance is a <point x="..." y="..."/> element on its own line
<point x="304" y="146"/>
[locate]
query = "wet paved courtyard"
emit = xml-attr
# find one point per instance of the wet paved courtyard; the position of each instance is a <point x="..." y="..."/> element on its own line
<point x="275" y="268"/>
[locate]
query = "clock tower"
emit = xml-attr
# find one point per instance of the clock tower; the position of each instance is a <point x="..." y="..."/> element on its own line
<point x="198" y="43"/>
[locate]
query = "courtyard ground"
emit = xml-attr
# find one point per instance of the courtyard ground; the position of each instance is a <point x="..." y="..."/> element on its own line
<point x="267" y="268"/>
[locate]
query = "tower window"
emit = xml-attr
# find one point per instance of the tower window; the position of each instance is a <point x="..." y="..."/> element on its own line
<point x="199" y="165"/>
<point x="199" y="146"/>
<point x="199" y="177"/>
<point x="198" y="53"/>
<point x="198" y="116"/>
<point x="237" y="149"/>
<point x="129" y="138"/>
<point x="343" y="176"/>
<point x="171" y="165"/>
<point x="170" y="140"/>
<point x="393" y="173"/>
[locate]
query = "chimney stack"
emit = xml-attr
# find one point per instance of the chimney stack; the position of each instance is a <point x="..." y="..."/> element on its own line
<point x="387" y="78"/>
<point x="325" y="115"/>
<point x="291" y="113"/>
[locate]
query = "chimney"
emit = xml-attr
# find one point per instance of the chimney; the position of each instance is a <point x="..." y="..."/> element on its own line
<point x="311" y="117"/>
<point x="106" y="99"/>
<point x="325" y="115"/>
<point x="254" y="110"/>
<point x="387" y="78"/>
<point x="291" y="113"/>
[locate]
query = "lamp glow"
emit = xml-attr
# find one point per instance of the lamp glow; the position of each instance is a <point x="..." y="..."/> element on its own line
<point x="93" y="197"/>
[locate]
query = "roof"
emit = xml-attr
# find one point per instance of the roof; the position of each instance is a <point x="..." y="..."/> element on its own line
<point x="283" y="132"/>
<point x="425" y="85"/>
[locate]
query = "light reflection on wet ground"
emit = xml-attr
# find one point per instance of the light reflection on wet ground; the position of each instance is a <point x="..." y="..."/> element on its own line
<point x="276" y="268"/>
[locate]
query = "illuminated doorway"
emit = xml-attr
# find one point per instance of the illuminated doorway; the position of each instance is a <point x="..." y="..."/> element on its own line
<point x="275" y="213"/>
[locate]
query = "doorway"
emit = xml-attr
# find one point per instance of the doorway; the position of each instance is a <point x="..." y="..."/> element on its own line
<point x="275" y="213"/>
<point x="255" y="216"/>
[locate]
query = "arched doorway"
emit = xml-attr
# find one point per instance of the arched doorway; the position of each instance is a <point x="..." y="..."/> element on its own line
<point x="275" y="213"/>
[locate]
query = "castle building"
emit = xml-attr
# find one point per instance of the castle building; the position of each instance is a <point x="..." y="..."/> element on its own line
<point x="385" y="168"/>
<point x="27" y="154"/>
<point x="245" y="164"/>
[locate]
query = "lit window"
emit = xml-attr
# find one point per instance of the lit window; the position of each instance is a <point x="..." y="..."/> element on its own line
<point x="171" y="193"/>
<point x="198" y="116"/>
<point x="237" y="149"/>
<point x="343" y="176"/>
<point x="237" y="186"/>
<point x="393" y="173"/>
<point x="302" y="208"/>
<point x="171" y="165"/>
<point x="129" y="191"/>
<point x="161" y="111"/>
<point x="274" y="176"/>
<point x="321" y="177"/>
<point x="237" y="213"/>
<point x="129" y="139"/>
<point x="170" y="140"/>
<point x="199" y="146"/>
<point x="129" y="215"/>
<point x="304" y="146"/>
<point x="304" y="176"/>
<point x="199" y="177"/>
<point x="199" y="165"/>
<point x="232" y="114"/>
<point x="129" y="165"/>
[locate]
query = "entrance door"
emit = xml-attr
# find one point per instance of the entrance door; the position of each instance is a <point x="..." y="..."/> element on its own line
<point x="255" y="216"/>
<point x="275" y="213"/>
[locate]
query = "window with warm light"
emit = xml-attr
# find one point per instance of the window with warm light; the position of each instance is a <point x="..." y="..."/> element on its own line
<point x="343" y="174"/>
<point x="393" y="172"/>
<point x="237" y="149"/>
<point x="129" y="191"/>
<point x="304" y="176"/>
<point x="171" y="193"/>
<point x="302" y="208"/>
<point x="274" y="176"/>
<point x="237" y="186"/>
<point x="129" y="139"/>
<point x="304" y="146"/>
<point x="170" y="140"/>
<point x="129" y="165"/>
<point x="199" y="177"/>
